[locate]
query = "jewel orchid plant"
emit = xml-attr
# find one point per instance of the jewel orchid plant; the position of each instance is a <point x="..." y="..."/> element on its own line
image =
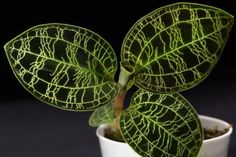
<point x="168" y="51"/>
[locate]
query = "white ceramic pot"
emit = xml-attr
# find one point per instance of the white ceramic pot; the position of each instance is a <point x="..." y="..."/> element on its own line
<point x="110" y="148"/>
<point x="215" y="147"/>
<point x="218" y="146"/>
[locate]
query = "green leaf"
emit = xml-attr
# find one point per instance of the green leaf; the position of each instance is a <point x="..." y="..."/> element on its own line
<point x="66" y="66"/>
<point x="175" y="47"/>
<point x="161" y="125"/>
<point x="102" y="115"/>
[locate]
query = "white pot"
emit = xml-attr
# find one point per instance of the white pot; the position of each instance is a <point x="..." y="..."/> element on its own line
<point x="215" y="147"/>
<point x="218" y="146"/>
<point x="110" y="148"/>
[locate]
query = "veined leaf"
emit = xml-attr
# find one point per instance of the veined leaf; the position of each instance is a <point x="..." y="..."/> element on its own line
<point x="161" y="125"/>
<point x="66" y="66"/>
<point x="175" y="47"/>
<point x="102" y="115"/>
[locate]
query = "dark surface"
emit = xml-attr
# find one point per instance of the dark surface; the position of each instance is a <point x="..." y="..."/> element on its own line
<point x="29" y="128"/>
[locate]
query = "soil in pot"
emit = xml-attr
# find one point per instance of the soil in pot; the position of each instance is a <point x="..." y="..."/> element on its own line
<point x="212" y="133"/>
<point x="115" y="135"/>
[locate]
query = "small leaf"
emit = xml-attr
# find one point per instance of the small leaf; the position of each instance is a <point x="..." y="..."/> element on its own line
<point x="161" y="125"/>
<point x="66" y="66"/>
<point x="102" y="115"/>
<point x="175" y="47"/>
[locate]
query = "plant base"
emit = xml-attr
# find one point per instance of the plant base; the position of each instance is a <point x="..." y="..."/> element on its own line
<point x="214" y="147"/>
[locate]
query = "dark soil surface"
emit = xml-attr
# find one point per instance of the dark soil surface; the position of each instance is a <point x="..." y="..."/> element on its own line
<point x="113" y="134"/>
<point x="208" y="133"/>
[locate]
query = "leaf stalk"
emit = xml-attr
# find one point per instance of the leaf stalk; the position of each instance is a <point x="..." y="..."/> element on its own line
<point x="126" y="79"/>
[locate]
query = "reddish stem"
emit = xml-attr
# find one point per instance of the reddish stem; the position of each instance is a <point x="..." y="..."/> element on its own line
<point x="118" y="107"/>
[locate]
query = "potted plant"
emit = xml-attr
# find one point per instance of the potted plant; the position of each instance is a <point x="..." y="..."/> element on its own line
<point x="168" y="51"/>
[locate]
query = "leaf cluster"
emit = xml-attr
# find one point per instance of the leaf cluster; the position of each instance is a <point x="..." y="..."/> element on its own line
<point x="167" y="51"/>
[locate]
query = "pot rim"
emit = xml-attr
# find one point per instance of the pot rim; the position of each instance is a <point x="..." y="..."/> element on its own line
<point x="100" y="134"/>
<point x="219" y="121"/>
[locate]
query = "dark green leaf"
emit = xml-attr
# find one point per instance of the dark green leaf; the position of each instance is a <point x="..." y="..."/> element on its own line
<point x="175" y="47"/>
<point x="66" y="66"/>
<point x="161" y="125"/>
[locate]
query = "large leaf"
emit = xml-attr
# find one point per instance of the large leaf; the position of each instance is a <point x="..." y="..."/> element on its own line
<point x="66" y="66"/>
<point x="161" y="125"/>
<point x="175" y="47"/>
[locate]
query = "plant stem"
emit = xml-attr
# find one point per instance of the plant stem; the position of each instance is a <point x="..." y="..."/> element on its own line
<point x="118" y="107"/>
<point x="125" y="82"/>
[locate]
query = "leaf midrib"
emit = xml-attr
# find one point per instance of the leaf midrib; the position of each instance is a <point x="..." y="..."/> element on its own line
<point x="147" y="117"/>
<point x="164" y="54"/>
<point x="67" y="87"/>
<point x="187" y="21"/>
<point x="76" y="66"/>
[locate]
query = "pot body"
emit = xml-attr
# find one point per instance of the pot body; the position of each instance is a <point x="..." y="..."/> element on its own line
<point x="215" y="147"/>
<point x="218" y="146"/>
<point x="110" y="148"/>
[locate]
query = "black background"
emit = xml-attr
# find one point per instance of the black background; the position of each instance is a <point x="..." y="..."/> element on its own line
<point x="112" y="20"/>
